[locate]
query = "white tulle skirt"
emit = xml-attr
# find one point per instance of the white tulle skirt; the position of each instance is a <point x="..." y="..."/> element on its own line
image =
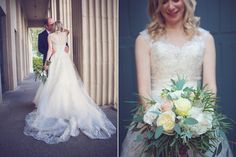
<point x="64" y="108"/>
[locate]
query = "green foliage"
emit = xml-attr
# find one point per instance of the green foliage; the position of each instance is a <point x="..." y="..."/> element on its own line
<point x="178" y="84"/>
<point x="190" y="121"/>
<point x="37" y="64"/>
<point x="39" y="72"/>
<point x="177" y="129"/>
<point x="159" y="131"/>
<point x="34" y="39"/>
<point x="157" y="142"/>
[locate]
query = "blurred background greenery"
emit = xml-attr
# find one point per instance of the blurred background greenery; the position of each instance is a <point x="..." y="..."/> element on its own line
<point x="37" y="56"/>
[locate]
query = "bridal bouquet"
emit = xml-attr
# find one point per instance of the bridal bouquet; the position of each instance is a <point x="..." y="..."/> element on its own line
<point x="184" y="119"/>
<point x="42" y="74"/>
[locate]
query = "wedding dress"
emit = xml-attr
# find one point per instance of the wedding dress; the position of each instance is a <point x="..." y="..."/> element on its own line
<point x="64" y="108"/>
<point x="168" y="62"/>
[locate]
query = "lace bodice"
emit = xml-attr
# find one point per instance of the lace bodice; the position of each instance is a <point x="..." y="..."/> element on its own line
<point x="59" y="41"/>
<point x="169" y="61"/>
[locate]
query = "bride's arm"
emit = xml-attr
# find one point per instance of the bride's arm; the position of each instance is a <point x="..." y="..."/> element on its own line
<point x="143" y="68"/>
<point x="209" y="64"/>
<point x="49" y="53"/>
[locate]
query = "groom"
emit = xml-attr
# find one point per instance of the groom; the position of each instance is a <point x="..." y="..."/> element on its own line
<point x="43" y="38"/>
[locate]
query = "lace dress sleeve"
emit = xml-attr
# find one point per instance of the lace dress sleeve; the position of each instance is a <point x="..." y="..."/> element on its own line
<point x="204" y="35"/>
<point x="144" y="34"/>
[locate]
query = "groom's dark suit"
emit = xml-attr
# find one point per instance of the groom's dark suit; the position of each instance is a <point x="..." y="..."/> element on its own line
<point x="43" y="44"/>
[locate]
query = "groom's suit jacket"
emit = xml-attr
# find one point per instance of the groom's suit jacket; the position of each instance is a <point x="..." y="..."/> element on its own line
<point x="43" y="44"/>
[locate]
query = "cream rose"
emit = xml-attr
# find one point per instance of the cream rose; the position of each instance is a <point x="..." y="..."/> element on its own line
<point x="167" y="120"/>
<point x="182" y="106"/>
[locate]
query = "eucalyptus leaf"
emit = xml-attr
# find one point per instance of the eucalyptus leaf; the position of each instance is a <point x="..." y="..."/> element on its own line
<point x="149" y="134"/>
<point x="180" y="84"/>
<point x="190" y="121"/>
<point x="177" y="129"/>
<point x="138" y="118"/>
<point x="131" y="102"/>
<point x="221" y="133"/>
<point x="169" y="97"/>
<point x="158" y="132"/>
<point x="156" y="112"/>
<point x="173" y="81"/>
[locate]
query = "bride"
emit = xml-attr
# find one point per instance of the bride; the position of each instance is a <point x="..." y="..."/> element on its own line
<point x="64" y="108"/>
<point x="172" y="45"/>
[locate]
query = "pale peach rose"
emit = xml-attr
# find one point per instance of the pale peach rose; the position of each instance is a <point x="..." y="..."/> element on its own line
<point x="166" y="106"/>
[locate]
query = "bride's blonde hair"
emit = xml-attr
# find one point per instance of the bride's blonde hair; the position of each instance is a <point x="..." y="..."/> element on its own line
<point x="156" y="27"/>
<point x="58" y="26"/>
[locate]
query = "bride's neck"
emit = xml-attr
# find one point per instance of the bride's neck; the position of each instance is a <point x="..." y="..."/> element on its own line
<point x="175" y="28"/>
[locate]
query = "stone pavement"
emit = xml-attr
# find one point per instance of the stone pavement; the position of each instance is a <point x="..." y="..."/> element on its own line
<point x="13" y="143"/>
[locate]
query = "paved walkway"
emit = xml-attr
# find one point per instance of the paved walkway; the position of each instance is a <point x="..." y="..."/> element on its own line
<point x="13" y="143"/>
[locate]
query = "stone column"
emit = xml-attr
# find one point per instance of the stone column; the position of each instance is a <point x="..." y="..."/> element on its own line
<point x="96" y="55"/>
<point x="0" y="86"/>
<point x="116" y="56"/>
<point x="4" y="73"/>
<point x="2" y="39"/>
<point x="77" y="34"/>
<point x="1" y="55"/>
<point x="54" y="9"/>
<point x="104" y="67"/>
<point x="11" y="80"/>
<point x="98" y="44"/>
<point x="19" y="43"/>
<point x="66" y="18"/>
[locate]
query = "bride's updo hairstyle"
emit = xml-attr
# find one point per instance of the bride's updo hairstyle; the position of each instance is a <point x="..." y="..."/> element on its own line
<point x="58" y="26"/>
<point x="156" y="28"/>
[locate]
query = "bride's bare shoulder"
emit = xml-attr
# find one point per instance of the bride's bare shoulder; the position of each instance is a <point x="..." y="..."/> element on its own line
<point x="66" y="31"/>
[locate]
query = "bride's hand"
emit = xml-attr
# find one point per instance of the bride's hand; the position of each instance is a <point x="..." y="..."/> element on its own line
<point x="66" y="49"/>
<point x="45" y="67"/>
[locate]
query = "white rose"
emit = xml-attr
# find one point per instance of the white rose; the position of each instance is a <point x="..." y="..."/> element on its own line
<point x="204" y="121"/>
<point x="176" y="94"/>
<point x="150" y="115"/>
